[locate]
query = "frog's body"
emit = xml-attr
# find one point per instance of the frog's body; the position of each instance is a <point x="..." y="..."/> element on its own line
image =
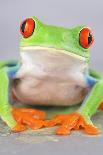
<point x="50" y="69"/>
<point x="53" y="71"/>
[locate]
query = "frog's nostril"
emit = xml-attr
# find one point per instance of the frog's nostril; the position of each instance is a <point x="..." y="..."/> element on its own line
<point x="27" y="27"/>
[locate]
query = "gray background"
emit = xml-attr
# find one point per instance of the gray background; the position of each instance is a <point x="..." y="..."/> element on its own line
<point x="66" y="13"/>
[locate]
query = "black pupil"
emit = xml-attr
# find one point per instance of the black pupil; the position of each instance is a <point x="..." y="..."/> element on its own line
<point x="89" y="38"/>
<point x="23" y="26"/>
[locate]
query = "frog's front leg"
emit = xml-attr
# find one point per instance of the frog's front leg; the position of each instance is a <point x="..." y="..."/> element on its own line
<point x="17" y="119"/>
<point x="82" y="117"/>
<point x="5" y="108"/>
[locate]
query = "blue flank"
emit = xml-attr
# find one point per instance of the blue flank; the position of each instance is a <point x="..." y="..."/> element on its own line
<point x="12" y="70"/>
<point x="90" y="80"/>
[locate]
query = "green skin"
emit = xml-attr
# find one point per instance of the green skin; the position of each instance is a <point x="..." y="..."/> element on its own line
<point x="57" y="38"/>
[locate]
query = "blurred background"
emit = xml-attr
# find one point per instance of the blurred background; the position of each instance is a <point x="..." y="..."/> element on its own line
<point x="67" y="13"/>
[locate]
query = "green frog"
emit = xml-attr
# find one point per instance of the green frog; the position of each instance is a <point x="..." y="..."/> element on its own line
<point x="53" y="71"/>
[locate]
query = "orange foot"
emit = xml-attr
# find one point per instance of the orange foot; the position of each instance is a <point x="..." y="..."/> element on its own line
<point x="70" y="122"/>
<point x="25" y="118"/>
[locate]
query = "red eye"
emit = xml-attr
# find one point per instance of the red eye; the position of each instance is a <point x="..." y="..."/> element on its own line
<point x="27" y="27"/>
<point x="86" y="38"/>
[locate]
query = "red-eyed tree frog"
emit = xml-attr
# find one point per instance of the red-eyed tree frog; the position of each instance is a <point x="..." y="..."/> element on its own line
<point x="53" y="71"/>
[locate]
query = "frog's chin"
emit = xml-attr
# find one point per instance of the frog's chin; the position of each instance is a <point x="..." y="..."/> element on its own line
<point x="51" y="50"/>
<point x="51" y="60"/>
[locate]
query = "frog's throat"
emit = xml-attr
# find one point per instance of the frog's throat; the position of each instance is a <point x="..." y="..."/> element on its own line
<point x="51" y="50"/>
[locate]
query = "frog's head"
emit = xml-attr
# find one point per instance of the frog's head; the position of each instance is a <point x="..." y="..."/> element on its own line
<point x="37" y="36"/>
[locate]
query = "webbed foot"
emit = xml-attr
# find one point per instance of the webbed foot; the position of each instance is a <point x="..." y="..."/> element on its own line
<point x="74" y="121"/>
<point x="25" y="118"/>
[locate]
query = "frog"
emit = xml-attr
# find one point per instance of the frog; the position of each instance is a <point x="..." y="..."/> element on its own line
<point x="53" y="71"/>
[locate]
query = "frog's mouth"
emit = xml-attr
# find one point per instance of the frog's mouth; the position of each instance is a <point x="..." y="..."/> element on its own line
<point x="50" y="50"/>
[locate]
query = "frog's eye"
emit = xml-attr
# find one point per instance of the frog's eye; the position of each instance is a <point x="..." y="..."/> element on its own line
<point x="27" y="27"/>
<point x="86" y="38"/>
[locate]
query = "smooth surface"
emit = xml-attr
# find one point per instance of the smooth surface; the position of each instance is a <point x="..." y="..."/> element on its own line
<point x="66" y="13"/>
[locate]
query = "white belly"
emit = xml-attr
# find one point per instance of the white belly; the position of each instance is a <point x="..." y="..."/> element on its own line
<point x="50" y="78"/>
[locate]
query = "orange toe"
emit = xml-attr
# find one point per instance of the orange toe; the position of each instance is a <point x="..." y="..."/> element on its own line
<point x="92" y="130"/>
<point x="32" y="122"/>
<point x="19" y="128"/>
<point x="37" y="125"/>
<point x="63" y="131"/>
